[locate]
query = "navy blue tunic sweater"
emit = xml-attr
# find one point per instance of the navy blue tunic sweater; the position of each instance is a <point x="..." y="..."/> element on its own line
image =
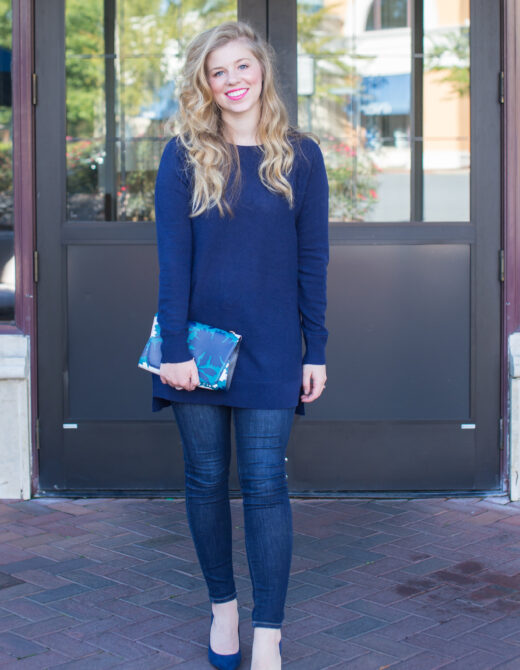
<point x="261" y="273"/>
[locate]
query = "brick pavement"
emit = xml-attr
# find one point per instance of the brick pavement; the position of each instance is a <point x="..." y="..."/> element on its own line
<point x="402" y="584"/>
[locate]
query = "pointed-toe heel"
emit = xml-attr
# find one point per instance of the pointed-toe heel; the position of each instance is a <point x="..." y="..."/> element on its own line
<point x="224" y="661"/>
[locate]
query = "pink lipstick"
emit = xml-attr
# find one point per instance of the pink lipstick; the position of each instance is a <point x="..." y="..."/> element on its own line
<point x="237" y="93"/>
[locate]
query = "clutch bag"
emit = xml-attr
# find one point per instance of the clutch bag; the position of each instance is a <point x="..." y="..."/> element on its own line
<point x="215" y="352"/>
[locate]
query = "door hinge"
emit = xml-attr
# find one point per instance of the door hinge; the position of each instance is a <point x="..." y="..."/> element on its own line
<point x="36" y="266"/>
<point x="34" y="87"/>
<point x="37" y="432"/>
<point x="501" y="265"/>
<point x="501" y="433"/>
<point x="501" y="88"/>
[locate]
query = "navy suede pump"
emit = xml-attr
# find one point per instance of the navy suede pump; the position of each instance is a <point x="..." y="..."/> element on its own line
<point x="224" y="661"/>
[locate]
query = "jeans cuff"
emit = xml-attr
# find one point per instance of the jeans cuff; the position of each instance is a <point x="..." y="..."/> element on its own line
<point x="223" y="599"/>
<point x="265" y="624"/>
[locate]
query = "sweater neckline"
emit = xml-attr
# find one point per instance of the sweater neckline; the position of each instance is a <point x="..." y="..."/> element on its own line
<point x="247" y="146"/>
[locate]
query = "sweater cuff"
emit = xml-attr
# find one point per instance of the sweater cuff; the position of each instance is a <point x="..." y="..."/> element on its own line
<point x="174" y="348"/>
<point x="315" y="352"/>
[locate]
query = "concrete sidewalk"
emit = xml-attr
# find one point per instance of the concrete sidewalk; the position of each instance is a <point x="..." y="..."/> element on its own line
<point x="408" y="584"/>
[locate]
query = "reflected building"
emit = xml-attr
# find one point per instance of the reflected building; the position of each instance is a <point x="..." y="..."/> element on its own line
<point x="364" y="104"/>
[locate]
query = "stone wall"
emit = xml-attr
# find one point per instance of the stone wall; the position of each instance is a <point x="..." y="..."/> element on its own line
<point x="15" y="417"/>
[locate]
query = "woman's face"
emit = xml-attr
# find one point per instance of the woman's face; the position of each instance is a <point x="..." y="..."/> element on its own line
<point x="235" y="77"/>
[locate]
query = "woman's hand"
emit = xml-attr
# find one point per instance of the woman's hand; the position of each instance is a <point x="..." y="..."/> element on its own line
<point x="180" y="375"/>
<point x="314" y="378"/>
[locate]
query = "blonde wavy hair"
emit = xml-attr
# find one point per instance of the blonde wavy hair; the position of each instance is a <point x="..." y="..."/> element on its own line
<point x="199" y="124"/>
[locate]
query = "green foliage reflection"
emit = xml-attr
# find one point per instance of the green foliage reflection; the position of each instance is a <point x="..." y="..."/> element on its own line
<point x="122" y="61"/>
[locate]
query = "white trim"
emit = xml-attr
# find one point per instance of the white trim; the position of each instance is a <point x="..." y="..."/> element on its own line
<point x="15" y="417"/>
<point x="514" y="416"/>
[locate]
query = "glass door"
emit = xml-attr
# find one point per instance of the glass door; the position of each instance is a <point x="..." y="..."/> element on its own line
<point x="403" y="96"/>
<point x="107" y="74"/>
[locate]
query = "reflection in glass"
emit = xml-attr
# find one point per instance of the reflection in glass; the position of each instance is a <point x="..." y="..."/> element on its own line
<point x="122" y="59"/>
<point x="355" y="73"/>
<point x="360" y="103"/>
<point x="446" y="130"/>
<point x="7" y="262"/>
<point x="388" y="14"/>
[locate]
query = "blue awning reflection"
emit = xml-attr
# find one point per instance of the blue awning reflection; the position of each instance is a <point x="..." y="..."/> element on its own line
<point x="5" y="77"/>
<point x="5" y="60"/>
<point x="164" y="105"/>
<point x="385" y="95"/>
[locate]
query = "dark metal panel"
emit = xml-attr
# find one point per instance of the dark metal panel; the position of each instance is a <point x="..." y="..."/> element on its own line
<point x="486" y="216"/>
<point x="50" y="185"/>
<point x="111" y="298"/>
<point x="108" y="232"/>
<point x="399" y="334"/>
<point x="138" y="232"/>
<point x="424" y="352"/>
<point x="132" y="456"/>
<point x="380" y="456"/>
<point x="402" y="233"/>
<point x="282" y="35"/>
<point x="255" y="13"/>
<point x="121" y="456"/>
<point x="129" y="455"/>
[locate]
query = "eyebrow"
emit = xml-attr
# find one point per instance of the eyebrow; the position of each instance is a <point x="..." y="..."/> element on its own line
<point x="219" y="67"/>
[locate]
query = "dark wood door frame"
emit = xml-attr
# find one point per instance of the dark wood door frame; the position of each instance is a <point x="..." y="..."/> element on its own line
<point x="22" y="67"/>
<point x="24" y="200"/>
<point x="511" y="204"/>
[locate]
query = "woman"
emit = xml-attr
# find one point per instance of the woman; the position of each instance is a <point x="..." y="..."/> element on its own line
<point x="242" y="232"/>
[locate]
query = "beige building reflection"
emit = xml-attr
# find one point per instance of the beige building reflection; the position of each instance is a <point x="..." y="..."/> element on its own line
<point x="355" y="92"/>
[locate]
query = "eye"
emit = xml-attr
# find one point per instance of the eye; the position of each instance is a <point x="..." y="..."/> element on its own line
<point x="215" y="74"/>
<point x="244" y="65"/>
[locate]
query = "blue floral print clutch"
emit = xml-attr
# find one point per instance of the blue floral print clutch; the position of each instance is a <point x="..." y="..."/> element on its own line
<point x="215" y="352"/>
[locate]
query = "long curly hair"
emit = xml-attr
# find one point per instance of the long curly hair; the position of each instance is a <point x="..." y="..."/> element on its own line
<point x="198" y="123"/>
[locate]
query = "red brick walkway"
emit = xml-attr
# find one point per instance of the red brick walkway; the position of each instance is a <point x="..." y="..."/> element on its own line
<point x="407" y="584"/>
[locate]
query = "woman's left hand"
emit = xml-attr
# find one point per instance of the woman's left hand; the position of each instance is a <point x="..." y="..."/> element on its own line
<point x="314" y="378"/>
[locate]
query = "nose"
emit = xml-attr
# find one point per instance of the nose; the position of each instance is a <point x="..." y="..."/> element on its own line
<point x="233" y="77"/>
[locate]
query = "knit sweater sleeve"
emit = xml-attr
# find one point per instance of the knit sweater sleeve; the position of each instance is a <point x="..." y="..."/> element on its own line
<point x="313" y="256"/>
<point x="174" y="248"/>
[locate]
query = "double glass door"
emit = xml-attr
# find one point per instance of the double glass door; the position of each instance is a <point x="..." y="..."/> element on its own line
<point x="402" y="94"/>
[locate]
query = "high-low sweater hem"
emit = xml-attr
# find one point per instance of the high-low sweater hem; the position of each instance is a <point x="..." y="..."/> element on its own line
<point x="258" y="395"/>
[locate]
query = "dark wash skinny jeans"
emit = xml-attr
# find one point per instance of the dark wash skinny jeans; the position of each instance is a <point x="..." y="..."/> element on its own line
<point x="261" y="437"/>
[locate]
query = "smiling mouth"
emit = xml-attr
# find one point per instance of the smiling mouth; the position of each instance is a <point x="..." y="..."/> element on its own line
<point x="237" y="94"/>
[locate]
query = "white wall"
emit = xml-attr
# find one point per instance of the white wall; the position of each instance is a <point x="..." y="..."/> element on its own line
<point x="15" y="417"/>
<point x="514" y="415"/>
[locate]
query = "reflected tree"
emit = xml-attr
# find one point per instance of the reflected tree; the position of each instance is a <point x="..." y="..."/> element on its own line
<point x="450" y="54"/>
<point x="350" y="169"/>
<point x="122" y="61"/>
